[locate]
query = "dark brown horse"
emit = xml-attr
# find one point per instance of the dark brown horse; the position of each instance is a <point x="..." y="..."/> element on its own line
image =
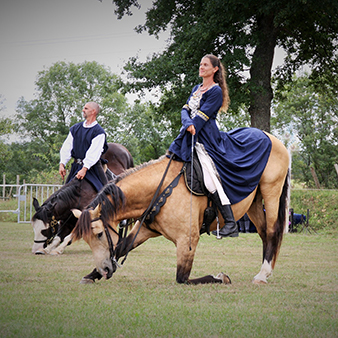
<point x="118" y="157"/>
<point x="53" y="221"/>
<point x="132" y="195"/>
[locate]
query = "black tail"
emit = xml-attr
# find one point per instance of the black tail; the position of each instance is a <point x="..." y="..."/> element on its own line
<point x="281" y="222"/>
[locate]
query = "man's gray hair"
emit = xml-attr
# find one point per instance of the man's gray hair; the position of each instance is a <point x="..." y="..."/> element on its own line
<point x="95" y="106"/>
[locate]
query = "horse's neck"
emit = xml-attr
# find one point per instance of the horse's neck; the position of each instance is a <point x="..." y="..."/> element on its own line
<point x="140" y="187"/>
<point x="66" y="199"/>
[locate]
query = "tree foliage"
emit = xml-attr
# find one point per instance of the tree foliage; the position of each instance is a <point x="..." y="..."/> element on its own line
<point x="62" y="91"/>
<point x="146" y="134"/>
<point x="312" y="116"/>
<point x="244" y="34"/>
<point x="6" y="128"/>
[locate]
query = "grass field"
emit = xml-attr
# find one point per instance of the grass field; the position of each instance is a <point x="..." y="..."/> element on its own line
<point x="41" y="295"/>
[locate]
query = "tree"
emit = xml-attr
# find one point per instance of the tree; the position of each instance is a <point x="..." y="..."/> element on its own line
<point x="312" y="115"/>
<point x="244" y="34"/>
<point x="63" y="90"/>
<point x="6" y="128"/>
<point x="146" y="134"/>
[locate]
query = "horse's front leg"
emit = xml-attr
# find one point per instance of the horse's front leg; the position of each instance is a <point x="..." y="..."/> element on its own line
<point x="49" y="248"/>
<point x="61" y="248"/>
<point x="185" y="253"/>
<point x="185" y="258"/>
<point x="211" y="279"/>
<point x="130" y="242"/>
<point x="90" y="278"/>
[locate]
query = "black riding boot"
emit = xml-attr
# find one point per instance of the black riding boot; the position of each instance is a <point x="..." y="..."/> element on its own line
<point x="230" y="227"/>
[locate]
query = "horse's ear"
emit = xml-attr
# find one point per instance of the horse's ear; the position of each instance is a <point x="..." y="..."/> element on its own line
<point x="97" y="211"/>
<point x="36" y="204"/>
<point x="76" y="212"/>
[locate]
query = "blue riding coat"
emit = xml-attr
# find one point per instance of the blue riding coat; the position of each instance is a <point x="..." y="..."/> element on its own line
<point x="240" y="155"/>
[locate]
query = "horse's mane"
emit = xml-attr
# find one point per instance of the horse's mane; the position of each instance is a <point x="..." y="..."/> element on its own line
<point x="137" y="168"/>
<point x="83" y="227"/>
<point x="67" y="194"/>
<point x="111" y="198"/>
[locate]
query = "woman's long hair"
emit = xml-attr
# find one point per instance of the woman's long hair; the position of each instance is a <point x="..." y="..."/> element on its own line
<point x="220" y="78"/>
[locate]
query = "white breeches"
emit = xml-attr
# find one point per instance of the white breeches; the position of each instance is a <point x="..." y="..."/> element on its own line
<point x="210" y="175"/>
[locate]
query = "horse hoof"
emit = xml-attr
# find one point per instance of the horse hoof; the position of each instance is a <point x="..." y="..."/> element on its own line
<point x="259" y="282"/>
<point x="87" y="281"/>
<point x="40" y="253"/>
<point x="224" y="278"/>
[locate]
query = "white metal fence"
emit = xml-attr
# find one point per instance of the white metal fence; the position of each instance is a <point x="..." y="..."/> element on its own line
<point x="25" y="194"/>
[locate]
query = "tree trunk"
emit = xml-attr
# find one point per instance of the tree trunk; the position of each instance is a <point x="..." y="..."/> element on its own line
<point x="336" y="167"/>
<point x="315" y="178"/>
<point x="260" y="72"/>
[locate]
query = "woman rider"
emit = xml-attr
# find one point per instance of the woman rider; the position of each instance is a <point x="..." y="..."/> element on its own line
<point x="198" y="117"/>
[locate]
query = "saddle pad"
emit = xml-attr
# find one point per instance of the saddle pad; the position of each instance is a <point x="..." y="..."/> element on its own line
<point x="197" y="186"/>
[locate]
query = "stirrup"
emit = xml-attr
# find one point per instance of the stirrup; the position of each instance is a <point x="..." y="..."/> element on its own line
<point x="218" y="236"/>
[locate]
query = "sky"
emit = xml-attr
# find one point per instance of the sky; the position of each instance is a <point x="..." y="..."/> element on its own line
<point x="35" y="34"/>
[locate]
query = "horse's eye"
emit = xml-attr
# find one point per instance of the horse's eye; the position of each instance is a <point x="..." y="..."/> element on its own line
<point x="100" y="235"/>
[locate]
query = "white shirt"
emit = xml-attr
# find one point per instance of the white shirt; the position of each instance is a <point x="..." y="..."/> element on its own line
<point x="93" y="153"/>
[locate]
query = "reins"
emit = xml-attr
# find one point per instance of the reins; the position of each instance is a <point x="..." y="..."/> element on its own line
<point x="78" y="207"/>
<point x="192" y="173"/>
<point x="112" y="251"/>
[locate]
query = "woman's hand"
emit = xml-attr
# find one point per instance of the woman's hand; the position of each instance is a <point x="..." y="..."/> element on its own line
<point x="191" y="129"/>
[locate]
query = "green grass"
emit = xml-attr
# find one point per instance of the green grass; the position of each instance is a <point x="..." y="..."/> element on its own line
<point x="10" y="204"/>
<point x="41" y="295"/>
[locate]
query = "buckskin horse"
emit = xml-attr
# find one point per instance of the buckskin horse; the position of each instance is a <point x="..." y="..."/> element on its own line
<point x="133" y="193"/>
<point x="53" y="221"/>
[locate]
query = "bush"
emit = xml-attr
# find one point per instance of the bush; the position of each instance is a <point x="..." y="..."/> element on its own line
<point x="322" y="205"/>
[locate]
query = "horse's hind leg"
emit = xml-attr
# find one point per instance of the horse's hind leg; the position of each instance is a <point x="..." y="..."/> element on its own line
<point x="257" y="215"/>
<point x="271" y="236"/>
<point x="270" y="226"/>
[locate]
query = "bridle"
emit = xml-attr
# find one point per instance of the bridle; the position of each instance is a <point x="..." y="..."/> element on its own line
<point x="122" y="234"/>
<point x="53" y="223"/>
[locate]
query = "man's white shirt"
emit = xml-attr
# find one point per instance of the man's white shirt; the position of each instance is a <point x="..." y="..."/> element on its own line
<point x="93" y="154"/>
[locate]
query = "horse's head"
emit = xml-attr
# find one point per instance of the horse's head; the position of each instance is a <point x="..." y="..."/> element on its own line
<point x="44" y="225"/>
<point x="101" y="236"/>
<point x="55" y="212"/>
